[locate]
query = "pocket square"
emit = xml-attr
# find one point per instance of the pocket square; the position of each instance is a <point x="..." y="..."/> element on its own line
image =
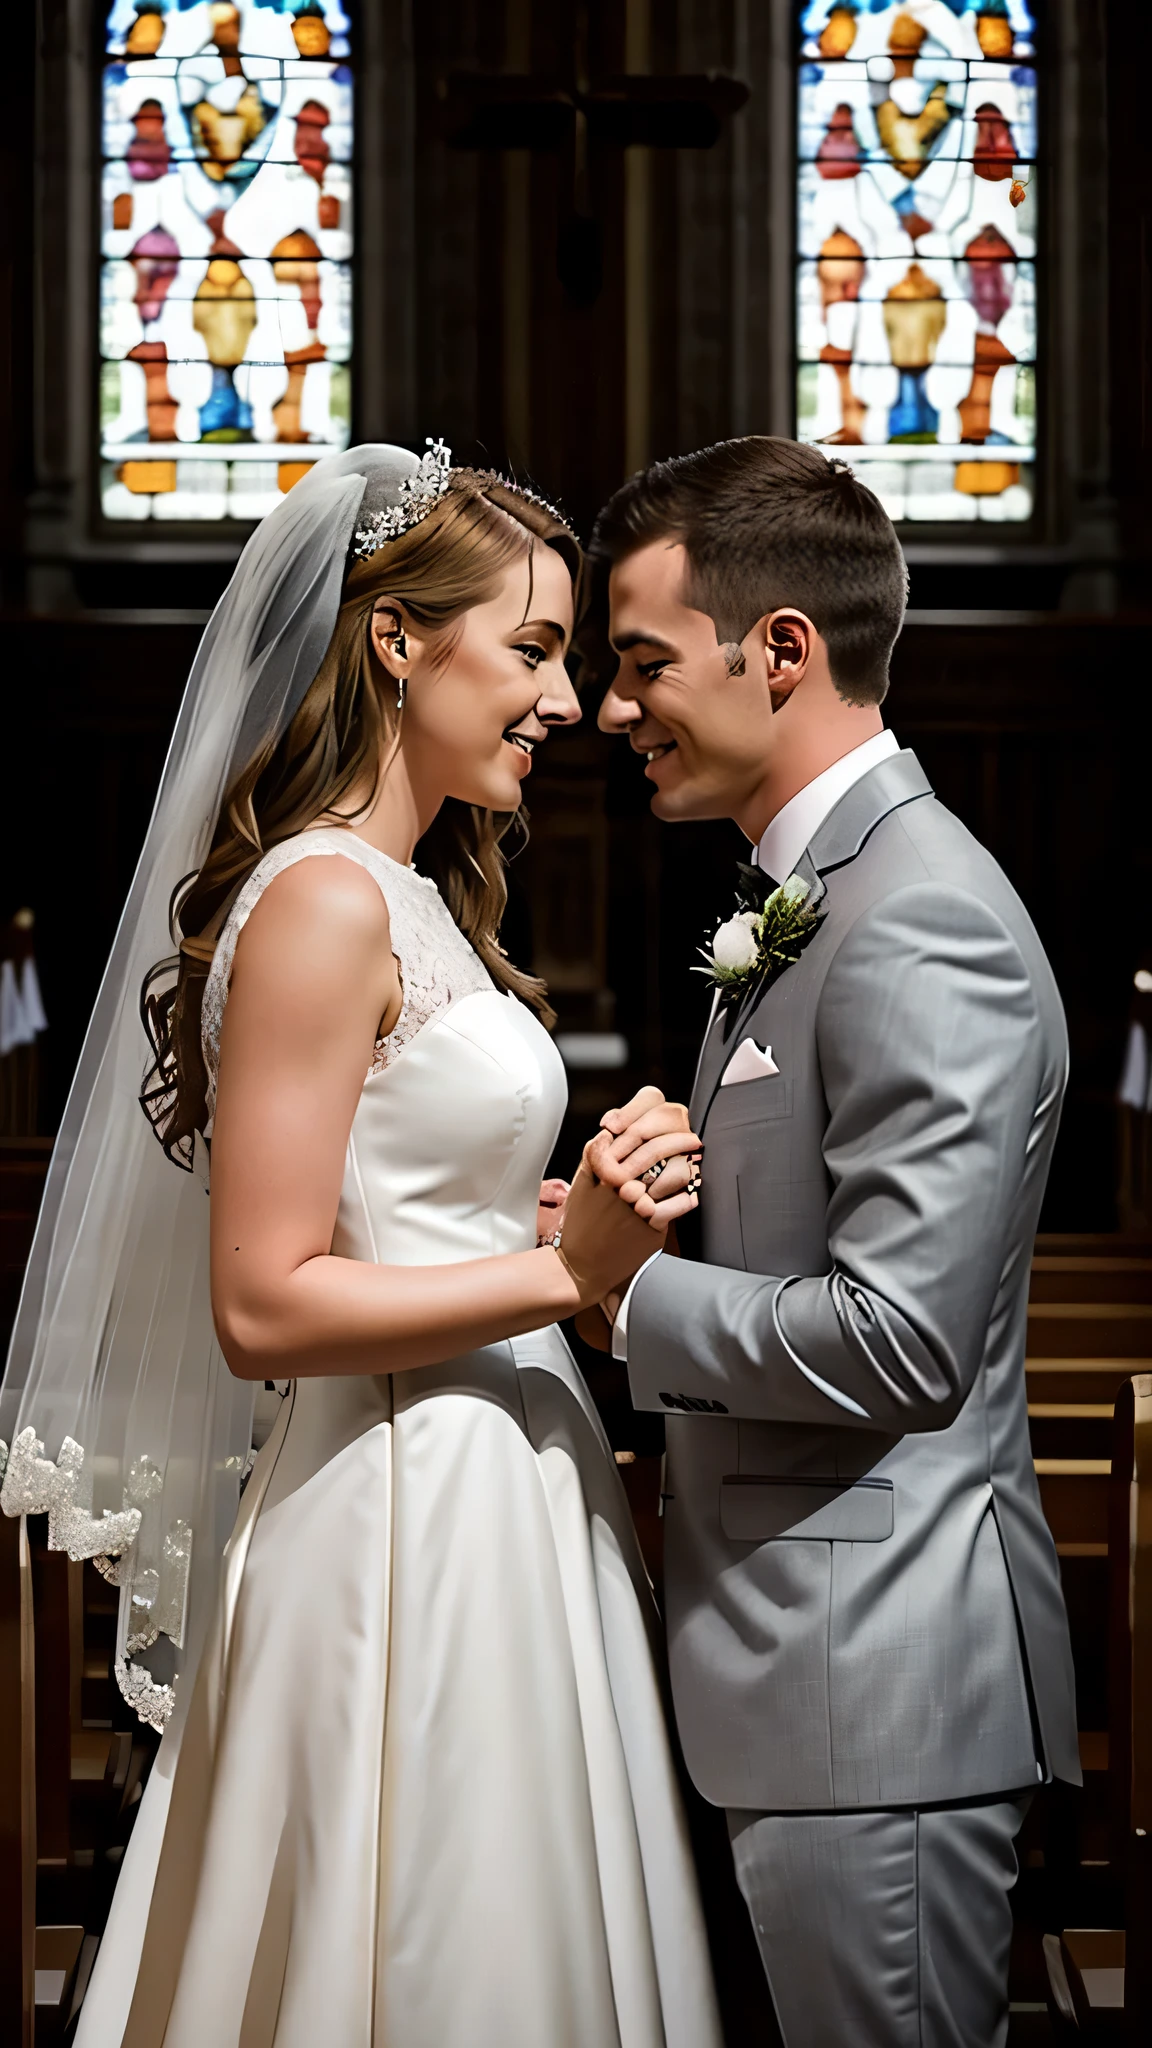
<point x="748" y="1063"/>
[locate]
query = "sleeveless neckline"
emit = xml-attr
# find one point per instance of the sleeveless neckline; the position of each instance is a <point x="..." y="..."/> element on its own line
<point x="437" y="964"/>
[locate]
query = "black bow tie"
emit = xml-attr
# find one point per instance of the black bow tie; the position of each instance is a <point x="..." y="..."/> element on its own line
<point x="753" y="886"/>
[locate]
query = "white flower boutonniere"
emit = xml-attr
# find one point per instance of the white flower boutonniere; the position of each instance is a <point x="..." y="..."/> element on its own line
<point x="762" y="939"/>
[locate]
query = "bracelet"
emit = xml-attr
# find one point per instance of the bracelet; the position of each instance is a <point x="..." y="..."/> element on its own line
<point x="553" y="1244"/>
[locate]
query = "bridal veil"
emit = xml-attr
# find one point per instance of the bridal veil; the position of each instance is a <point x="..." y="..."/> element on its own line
<point x="124" y="1424"/>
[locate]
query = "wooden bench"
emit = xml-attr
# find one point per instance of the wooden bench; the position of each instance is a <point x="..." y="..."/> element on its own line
<point x="17" y="1788"/>
<point x="72" y="1763"/>
<point x="1100" y="1979"/>
<point x="1057" y="1277"/>
<point x="1089" y="1328"/>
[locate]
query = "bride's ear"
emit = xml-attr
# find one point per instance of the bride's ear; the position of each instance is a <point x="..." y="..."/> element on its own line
<point x="389" y="636"/>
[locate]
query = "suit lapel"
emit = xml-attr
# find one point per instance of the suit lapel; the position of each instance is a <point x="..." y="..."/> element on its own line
<point x="713" y="1053"/>
<point x="837" y="840"/>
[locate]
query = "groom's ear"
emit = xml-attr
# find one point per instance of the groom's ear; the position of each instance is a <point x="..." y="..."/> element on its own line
<point x="788" y="639"/>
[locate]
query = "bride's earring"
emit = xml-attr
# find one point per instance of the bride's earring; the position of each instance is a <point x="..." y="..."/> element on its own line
<point x="401" y="646"/>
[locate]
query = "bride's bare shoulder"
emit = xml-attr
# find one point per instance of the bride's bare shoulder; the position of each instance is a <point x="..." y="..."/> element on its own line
<point x="323" y="921"/>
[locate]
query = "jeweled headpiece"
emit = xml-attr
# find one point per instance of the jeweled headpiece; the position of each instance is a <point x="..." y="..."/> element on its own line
<point x="509" y="483"/>
<point x="419" y="495"/>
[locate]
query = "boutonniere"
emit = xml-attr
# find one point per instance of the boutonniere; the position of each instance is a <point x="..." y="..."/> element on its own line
<point x="767" y="934"/>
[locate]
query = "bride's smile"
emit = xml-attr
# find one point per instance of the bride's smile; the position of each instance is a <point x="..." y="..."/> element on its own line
<point x="480" y="695"/>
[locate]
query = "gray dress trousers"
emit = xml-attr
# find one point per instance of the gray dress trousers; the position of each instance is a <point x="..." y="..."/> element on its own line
<point x="888" y="1929"/>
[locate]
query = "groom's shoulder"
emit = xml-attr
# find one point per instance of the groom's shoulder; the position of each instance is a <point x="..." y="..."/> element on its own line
<point x="925" y="846"/>
<point x="912" y="842"/>
<point x="930" y="843"/>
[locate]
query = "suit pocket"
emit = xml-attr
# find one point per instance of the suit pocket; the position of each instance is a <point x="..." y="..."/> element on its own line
<point x="750" y="1102"/>
<point x="766" y="1510"/>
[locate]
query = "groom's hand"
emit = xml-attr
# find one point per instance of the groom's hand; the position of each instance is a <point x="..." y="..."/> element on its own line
<point x="550" y="1209"/>
<point x="645" y="1134"/>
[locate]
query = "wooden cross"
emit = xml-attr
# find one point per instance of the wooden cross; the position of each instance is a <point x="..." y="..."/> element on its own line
<point x="574" y="115"/>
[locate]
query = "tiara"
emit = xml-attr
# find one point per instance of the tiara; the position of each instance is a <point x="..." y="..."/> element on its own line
<point x="422" y="491"/>
<point x="419" y="495"/>
<point x="509" y="483"/>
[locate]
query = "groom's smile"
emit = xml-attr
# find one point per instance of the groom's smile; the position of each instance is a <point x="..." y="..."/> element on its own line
<point x="698" y="718"/>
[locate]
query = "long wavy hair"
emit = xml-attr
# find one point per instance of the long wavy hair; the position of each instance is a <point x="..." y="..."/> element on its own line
<point x="339" y="741"/>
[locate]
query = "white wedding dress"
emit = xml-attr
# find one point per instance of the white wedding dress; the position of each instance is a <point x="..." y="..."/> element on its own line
<point x="421" y="1795"/>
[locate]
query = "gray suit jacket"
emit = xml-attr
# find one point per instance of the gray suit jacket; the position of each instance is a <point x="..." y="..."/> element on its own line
<point x="864" y="1603"/>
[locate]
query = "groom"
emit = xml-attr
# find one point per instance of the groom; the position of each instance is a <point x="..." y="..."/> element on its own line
<point x="868" y="1644"/>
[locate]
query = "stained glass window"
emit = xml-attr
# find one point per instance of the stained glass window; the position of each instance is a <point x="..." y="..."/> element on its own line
<point x="226" y="239"/>
<point x="916" y="243"/>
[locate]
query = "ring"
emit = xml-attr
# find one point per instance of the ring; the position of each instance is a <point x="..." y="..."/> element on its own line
<point x="653" y="1172"/>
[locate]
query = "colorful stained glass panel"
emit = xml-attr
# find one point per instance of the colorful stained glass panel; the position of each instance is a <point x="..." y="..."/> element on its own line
<point x="916" y="250"/>
<point x="226" y="239"/>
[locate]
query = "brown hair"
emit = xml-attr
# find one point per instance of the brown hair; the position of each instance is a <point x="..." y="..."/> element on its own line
<point x="767" y="522"/>
<point x="340" y="737"/>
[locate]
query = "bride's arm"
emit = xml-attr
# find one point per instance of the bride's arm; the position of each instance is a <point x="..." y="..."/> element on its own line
<point x="313" y="981"/>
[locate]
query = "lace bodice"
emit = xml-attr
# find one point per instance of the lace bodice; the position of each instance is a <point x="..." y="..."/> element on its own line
<point x="437" y="965"/>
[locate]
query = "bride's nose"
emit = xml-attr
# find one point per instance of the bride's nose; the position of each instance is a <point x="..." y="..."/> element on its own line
<point x="558" y="703"/>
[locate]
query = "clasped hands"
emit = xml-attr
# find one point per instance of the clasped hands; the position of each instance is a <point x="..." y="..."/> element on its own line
<point x="637" y="1175"/>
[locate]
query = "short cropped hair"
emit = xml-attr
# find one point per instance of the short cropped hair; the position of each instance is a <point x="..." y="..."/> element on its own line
<point x="767" y="522"/>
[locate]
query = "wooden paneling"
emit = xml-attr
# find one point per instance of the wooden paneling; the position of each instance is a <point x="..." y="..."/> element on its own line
<point x="88" y="711"/>
<point x="1032" y="731"/>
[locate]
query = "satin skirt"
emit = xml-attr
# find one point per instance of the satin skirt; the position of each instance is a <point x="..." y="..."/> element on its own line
<point x="422" y="1793"/>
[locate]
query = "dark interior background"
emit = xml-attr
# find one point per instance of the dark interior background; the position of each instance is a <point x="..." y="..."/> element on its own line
<point x="550" y="301"/>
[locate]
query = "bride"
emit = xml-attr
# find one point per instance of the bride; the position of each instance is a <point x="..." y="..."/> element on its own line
<point x="415" y="1788"/>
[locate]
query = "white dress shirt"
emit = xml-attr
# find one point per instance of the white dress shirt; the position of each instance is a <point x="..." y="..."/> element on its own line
<point x="796" y="826"/>
<point x="791" y="830"/>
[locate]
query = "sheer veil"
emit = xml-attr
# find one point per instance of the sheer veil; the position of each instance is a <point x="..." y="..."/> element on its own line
<point x="124" y="1422"/>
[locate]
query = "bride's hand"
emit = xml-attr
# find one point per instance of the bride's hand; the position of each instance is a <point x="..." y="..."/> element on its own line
<point x="604" y="1242"/>
<point x="650" y="1154"/>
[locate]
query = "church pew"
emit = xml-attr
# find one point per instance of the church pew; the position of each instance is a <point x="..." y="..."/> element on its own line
<point x="58" y="1958"/>
<point x="1089" y="1327"/>
<point x="69" y="1782"/>
<point x="1100" y="1979"/>
<point x="1090" y="1299"/>
<point x="1106" y="1278"/>
<point x="17" y="1788"/>
<point x="1100" y="1244"/>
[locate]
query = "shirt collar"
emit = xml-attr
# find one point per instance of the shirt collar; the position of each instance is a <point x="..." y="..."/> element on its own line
<point x="794" y="827"/>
